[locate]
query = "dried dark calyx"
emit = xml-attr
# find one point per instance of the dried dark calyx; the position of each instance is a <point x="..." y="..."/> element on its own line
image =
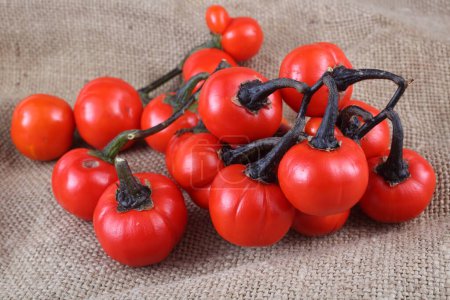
<point x="247" y="95"/>
<point x="138" y="201"/>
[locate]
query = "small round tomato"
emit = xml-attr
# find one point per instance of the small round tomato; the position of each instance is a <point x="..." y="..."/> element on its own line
<point x="376" y="141"/>
<point x="313" y="124"/>
<point x="247" y="212"/>
<point x="141" y="237"/>
<point x="217" y="19"/>
<point x="225" y="117"/>
<point x="308" y="63"/>
<point x="42" y="127"/>
<point x="403" y="201"/>
<point x="194" y="163"/>
<point x="157" y="111"/>
<point x="78" y="181"/>
<point x="104" y="108"/>
<point x="321" y="183"/>
<point x="242" y="38"/>
<point x="175" y="145"/>
<point x="197" y="162"/>
<point x="319" y="225"/>
<point x="204" y="60"/>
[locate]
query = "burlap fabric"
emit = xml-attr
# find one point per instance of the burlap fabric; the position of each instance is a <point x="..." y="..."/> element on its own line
<point x="56" y="46"/>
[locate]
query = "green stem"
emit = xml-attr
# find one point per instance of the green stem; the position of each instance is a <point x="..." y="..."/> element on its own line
<point x="184" y="96"/>
<point x="144" y="91"/>
<point x="214" y="42"/>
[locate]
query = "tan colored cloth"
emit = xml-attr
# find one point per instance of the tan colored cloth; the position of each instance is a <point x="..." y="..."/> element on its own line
<point x="55" y="46"/>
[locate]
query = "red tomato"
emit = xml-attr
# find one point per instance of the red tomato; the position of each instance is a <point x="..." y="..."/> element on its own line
<point x="157" y="111"/>
<point x="104" y="108"/>
<point x="246" y="212"/>
<point x="322" y="183"/>
<point x="217" y="19"/>
<point x="403" y="201"/>
<point x="226" y="118"/>
<point x="317" y="226"/>
<point x="197" y="162"/>
<point x="173" y="147"/>
<point x="307" y="63"/>
<point x="200" y="196"/>
<point x="242" y="38"/>
<point x="194" y="163"/>
<point x="313" y="124"/>
<point x="204" y="60"/>
<point x="78" y="181"/>
<point x="141" y="238"/>
<point x="377" y="141"/>
<point x="42" y="127"/>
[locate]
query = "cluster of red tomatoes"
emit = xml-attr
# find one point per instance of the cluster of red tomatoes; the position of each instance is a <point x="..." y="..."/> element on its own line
<point x="227" y="145"/>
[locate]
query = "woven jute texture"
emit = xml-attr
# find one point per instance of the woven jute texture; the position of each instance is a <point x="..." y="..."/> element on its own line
<point x="56" y="46"/>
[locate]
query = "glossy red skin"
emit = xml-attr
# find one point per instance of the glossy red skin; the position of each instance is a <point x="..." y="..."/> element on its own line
<point x="313" y="124"/>
<point x="204" y="60"/>
<point x="242" y="38"/>
<point x="217" y="19"/>
<point x="174" y="145"/>
<point x="200" y="196"/>
<point x="104" y="108"/>
<point x="377" y="141"/>
<point x="246" y="212"/>
<point x="78" y="181"/>
<point x="322" y="183"/>
<point x="307" y="63"/>
<point x="318" y="226"/>
<point x="404" y="201"/>
<point x="224" y="117"/>
<point x="157" y="111"/>
<point x="141" y="238"/>
<point x="42" y="127"/>
<point x="195" y="163"/>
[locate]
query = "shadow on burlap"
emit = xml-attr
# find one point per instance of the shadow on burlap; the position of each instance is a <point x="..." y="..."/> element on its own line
<point x="55" y="47"/>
